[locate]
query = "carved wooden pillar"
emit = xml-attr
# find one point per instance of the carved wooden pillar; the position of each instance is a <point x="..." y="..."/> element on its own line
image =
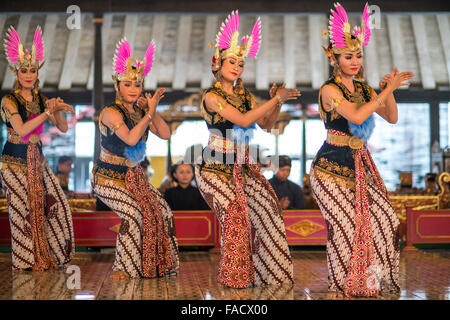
<point x="434" y="127"/>
<point x="97" y="91"/>
<point x="303" y="164"/>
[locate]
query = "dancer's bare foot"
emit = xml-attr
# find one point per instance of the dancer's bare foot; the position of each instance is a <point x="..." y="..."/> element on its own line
<point x="118" y="275"/>
<point x="38" y="269"/>
<point x="333" y="295"/>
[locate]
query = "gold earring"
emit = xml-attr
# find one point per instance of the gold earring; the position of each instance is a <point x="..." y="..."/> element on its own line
<point x="239" y="86"/>
<point x="118" y="96"/>
<point x="337" y="73"/>
<point x="360" y="75"/>
<point x="36" y="87"/>
<point x="17" y="86"/>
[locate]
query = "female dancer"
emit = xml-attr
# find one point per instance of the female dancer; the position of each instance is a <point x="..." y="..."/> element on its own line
<point x="39" y="214"/>
<point x="146" y="244"/>
<point x="254" y="250"/>
<point x="363" y="236"/>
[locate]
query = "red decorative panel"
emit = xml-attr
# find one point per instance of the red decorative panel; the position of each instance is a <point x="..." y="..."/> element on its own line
<point x="95" y="228"/>
<point x="305" y="227"/>
<point x="431" y="226"/>
<point x="100" y="228"/>
<point x="201" y="228"/>
<point x="5" y="231"/>
<point x="195" y="228"/>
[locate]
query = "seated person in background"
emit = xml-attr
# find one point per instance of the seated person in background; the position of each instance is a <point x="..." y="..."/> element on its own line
<point x="289" y="194"/>
<point x="167" y="182"/>
<point x="63" y="169"/>
<point x="184" y="196"/>
<point x="193" y="155"/>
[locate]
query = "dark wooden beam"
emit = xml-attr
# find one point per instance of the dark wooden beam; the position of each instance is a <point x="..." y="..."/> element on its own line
<point x="208" y="6"/>
<point x="434" y="127"/>
<point x="434" y="122"/>
<point x="97" y="92"/>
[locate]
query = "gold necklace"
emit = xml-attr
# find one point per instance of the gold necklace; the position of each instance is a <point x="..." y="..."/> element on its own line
<point x="234" y="99"/>
<point x="135" y="116"/>
<point x="357" y="97"/>
<point x="32" y="106"/>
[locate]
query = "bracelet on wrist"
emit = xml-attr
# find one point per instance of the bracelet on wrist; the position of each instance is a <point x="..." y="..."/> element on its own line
<point x="151" y="119"/>
<point x="380" y="102"/>
<point x="280" y="101"/>
<point x="47" y="112"/>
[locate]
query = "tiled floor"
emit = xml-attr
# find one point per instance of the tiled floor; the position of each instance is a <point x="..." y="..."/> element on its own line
<point x="423" y="275"/>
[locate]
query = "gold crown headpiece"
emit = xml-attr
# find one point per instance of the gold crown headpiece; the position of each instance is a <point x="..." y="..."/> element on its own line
<point x="17" y="56"/>
<point x="227" y="41"/>
<point x="339" y="31"/>
<point x="125" y="67"/>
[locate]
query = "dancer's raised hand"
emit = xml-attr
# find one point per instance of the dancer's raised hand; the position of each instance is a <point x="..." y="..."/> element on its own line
<point x="153" y="101"/>
<point x="386" y="78"/>
<point x="287" y="94"/>
<point x="274" y="88"/>
<point x="64" y="107"/>
<point x="142" y="103"/>
<point x="398" y="79"/>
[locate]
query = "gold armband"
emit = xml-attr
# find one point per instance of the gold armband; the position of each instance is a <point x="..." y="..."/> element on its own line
<point x="116" y="127"/>
<point x="4" y="111"/>
<point x="335" y="103"/>
<point x="6" y="115"/>
<point x="220" y="106"/>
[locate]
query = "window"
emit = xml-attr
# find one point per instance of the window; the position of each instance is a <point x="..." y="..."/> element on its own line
<point x="316" y="134"/>
<point x="290" y="144"/>
<point x="267" y="144"/>
<point x="187" y="134"/>
<point x="84" y="139"/>
<point x="84" y="155"/>
<point x="404" y="146"/>
<point x="78" y="143"/>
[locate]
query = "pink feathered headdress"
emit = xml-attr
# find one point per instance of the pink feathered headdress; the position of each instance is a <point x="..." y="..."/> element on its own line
<point x="123" y="67"/>
<point x="227" y="41"/>
<point x="341" y="37"/>
<point x="17" y="56"/>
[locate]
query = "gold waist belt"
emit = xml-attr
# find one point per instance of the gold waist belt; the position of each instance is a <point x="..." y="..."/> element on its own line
<point x="107" y="157"/>
<point x="225" y="145"/>
<point x="221" y="143"/>
<point x="16" y="139"/>
<point x="345" y="141"/>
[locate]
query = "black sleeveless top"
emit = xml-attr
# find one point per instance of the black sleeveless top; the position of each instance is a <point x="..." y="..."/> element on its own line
<point x="113" y="144"/>
<point x="213" y="160"/>
<point x="339" y="160"/>
<point x="17" y="153"/>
